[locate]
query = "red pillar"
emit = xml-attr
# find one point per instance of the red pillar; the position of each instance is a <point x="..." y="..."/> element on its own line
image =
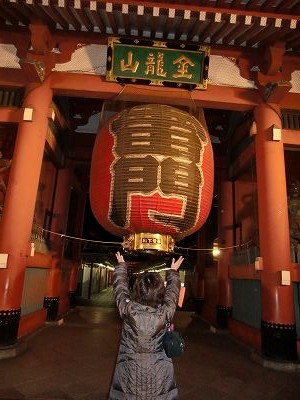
<point x="16" y="223"/>
<point x="73" y="282"/>
<point x="61" y="207"/>
<point x="79" y="221"/>
<point x="225" y="240"/>
<point x="278" y="329"/>
<point x="53" y="298"/>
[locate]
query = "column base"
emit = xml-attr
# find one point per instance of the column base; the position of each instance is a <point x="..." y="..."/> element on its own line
<point x="276" y="365"/>
<point x="9" y="326"/>
<point x="223" y="313"/>
<point x="12" y="351"/>
<point x="279" y="341"/>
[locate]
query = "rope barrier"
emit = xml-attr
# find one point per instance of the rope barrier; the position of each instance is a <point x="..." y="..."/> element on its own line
<point x="62" y="235"/>
<point x="220" y="248"/>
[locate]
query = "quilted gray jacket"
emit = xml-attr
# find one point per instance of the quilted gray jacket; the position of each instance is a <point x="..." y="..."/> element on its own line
<point x="143" y="371"/>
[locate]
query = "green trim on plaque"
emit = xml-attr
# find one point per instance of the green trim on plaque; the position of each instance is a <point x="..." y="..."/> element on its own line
<point x="157" y="63"/>
<point x="149" y="242"/>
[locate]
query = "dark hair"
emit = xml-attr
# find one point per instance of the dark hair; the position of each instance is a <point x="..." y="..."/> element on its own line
<point x="149" y="289"/>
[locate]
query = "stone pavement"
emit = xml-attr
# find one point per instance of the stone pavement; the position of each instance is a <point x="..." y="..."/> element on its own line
<point x="75" y="361"/>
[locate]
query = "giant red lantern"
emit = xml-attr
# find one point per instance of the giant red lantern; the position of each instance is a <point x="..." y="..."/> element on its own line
<point x="152" y="176"/>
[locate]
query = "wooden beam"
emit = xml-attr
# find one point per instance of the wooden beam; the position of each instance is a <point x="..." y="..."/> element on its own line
<point x="12" y="77"/>
<point x="92" y="86"/>
<point x="290" y="137"/>
<point x="291" y="102"/>
<point x="11" y="114"/>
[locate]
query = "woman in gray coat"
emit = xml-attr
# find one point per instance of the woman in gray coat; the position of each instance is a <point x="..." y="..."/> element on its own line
<point x="143" y="371"/>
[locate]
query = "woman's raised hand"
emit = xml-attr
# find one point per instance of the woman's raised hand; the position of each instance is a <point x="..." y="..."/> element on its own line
<point x="120" y="258"/>
<point x="176" y="264"/>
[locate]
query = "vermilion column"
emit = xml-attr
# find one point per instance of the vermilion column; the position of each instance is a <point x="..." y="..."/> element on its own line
<point x="278" y="329"/>
<point x="52" y="300"/>
<point x="73" y="283"/>
<point x="79" y="220"/>
<point x="61" y="207"/>
<point x="19" y="205"/>
<point x="225" y="239"/>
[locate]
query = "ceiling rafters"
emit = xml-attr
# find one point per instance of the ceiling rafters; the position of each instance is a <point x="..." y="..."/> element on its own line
<point x="252" y="5"/>
<point x="11" y="16"/>
<point x="267" y="4"/>
<point x="65" y="14"/>
<point x="191" y="22"/>
<point x="280" y="34"/>
<point x="258" y="32"/>
<point x="237" y="31"/>
<point x="3" y="17"/>
<point x="181" y="24"/>
<point x="125" y="19"/>
<point x="261" y="35"/>
<point x="294" y="43"/>
<point x="106" y="12"/>
<point x="217" y="23"/>
<point x="159" y="19"/>
<point x="296" y="9"/>
<point x="132" y="20"/>
<point x="199" y="26"/>
<point x="51" y="16"/>
<point x="226" y="29"/>
<point x="140" y="20"/>
<point x="170" y="22"/>
<point x="92" y="12"/>
<point x="237" y="4"/>
<point x="208" y="21"/>
<point x="287" y="5"/>
<point x="119" y="21"/>
<point x="293" y="39"/>
<point x="81" y="17"/>
<point x="221" y="3"/>
<point x="24" y="16"/>
<point x="194" y="27"/>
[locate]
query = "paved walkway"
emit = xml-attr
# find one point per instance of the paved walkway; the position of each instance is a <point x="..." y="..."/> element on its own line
<point x="103" y="299"/>
<point x="75" y="361"/>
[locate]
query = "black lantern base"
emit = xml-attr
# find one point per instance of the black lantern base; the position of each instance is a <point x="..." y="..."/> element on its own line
<point x="223" y="313"/>
<point x="279" y="341"/>
<point x="51" y="304"/>
<point x="9" y="325"/>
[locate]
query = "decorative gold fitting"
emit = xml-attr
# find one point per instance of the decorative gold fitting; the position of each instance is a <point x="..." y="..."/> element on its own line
<point x="34" y="70"/>
<point x="149" y="242"/>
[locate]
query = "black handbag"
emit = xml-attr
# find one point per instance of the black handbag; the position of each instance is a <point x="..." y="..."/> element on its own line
<point x="173" y="342"/>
